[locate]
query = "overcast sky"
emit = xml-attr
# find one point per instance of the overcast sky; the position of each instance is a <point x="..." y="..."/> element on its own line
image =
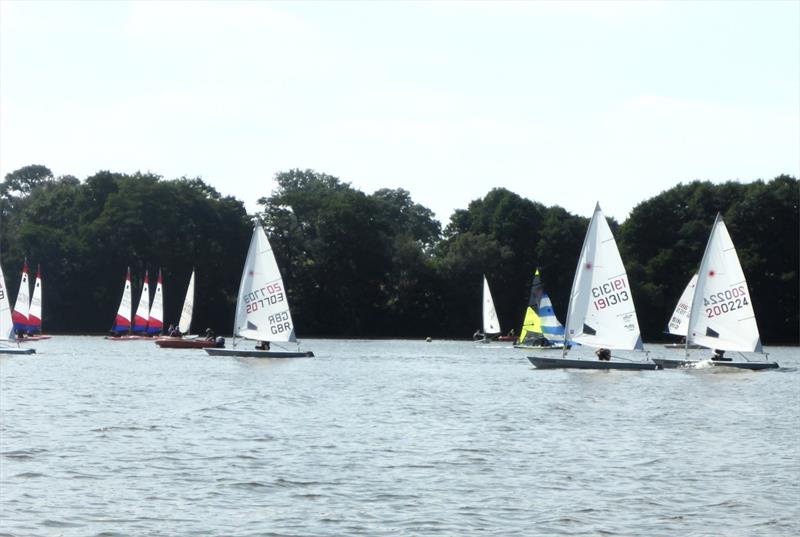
<point x="564" y="103"/>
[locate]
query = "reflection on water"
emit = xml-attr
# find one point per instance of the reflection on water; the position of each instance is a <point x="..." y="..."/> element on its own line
<point x="390" y="438"/>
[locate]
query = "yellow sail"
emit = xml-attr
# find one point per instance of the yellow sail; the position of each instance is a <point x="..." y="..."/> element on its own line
<point x="531" y="323"/>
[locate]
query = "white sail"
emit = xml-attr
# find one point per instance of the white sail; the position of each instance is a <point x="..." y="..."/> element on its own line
<point x="185" y="322"/>
<point x="123" y="320"/>
<point x="680" y="317"/>
<point x="601" y="311"/>
<point x="155" y="320"/>
<point x="262" y="308"/>
<point x="35" y="310"/>
<point x="143" y="310"/>
<point x="20" y="313"/>
<point x="6" y="324"/>
<point x="722" y="315"/>
<point x="491" y="324"/>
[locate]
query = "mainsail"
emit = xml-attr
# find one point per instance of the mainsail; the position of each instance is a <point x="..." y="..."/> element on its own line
<point x="540" y="326"/>
<point x="680" y="317"/>
<point x="185" y="322"/>
<point x="262" y="307"/>
<point x="123" y="320"/>
<point x="491" y="324"/>
<point x="35" y="311"/>
<point x="155" y="321"/>
<point x="722" y="315"/>
<point x="601" y="311"/>
<point x="6" y="323"/>
<point x="143" y="311"/>
<point x="21" y="306"/>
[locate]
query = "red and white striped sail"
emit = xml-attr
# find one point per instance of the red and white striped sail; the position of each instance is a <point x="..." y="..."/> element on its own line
<point x="155" y="323"/>
<point x="20" y="314"/>
<point x="143" y="311"/>
<point x="123" y="320"/>
<point x="35" y="310"/>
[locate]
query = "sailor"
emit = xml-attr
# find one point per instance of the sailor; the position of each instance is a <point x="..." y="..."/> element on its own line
<point x="603" y="354"/>
<point x="262" y="346"/>
<point x="719" y="355"/>
<point x="210" y="336"/>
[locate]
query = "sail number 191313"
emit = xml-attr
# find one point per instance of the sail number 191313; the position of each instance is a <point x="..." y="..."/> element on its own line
<point x="270" y="294"/>
<point x="610" y="293"/>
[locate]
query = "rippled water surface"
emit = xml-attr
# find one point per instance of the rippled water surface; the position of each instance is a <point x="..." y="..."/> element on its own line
<point x="390" y="438"/>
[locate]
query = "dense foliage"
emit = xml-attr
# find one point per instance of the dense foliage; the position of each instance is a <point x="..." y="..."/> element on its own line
<point x="376" y="265"/>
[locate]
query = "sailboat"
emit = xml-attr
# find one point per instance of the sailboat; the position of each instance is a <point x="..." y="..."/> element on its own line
<point x="262" y="307"/>
<point x="143" y="310"/>
<point x="184" y="325"/>
<point x="122" y="323"/>
<point x="680" y="317"/>
<point x="155" y="319"/>
<point x="35" y="311"/>
<point x="491" y="324"/>
<point x="7" y="333"/>
<point x="20" y="313"/>
<point x="721" y="315"/>
<point x="601" y="313"/>
<point x="540" y="328"/>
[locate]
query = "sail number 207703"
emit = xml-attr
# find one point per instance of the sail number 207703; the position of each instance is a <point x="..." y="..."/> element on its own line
<point x="256" y="299"/>
<point x="610" y="293"/>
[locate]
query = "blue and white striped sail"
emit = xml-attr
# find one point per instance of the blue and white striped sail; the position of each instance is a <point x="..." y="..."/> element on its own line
<point x="552" y="328"/>
<point x="540" y="326"/>
<point x="601" y="311"/>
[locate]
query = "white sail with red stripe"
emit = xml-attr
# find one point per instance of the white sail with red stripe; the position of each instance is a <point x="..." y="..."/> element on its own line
<point x="20" y="314"/>
<point x="155" y="323"/>
<point x="35" y="310"/>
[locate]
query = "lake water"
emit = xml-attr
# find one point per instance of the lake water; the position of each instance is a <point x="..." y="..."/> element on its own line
<point x="103" y="438"/>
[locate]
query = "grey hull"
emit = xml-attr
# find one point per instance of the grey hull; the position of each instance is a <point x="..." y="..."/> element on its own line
<point x="258" y="354"/>
<point x="565" y="363"/>
<point x="14" y="350"/>
<point x="755" y="366"/>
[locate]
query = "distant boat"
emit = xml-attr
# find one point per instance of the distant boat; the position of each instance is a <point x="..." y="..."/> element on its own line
<point x="7" y="333"/>
<point x="184" y="341"/>
<point x="680" y="317"/>
<point x="185" y="322"/>
<point x="540" y="328"/>
<point x="262" y="307"/>
<point x="155" y="319"/>
<point x="35" y="311"/>
<point x="122" y="323"/>
<point x="22" y="305"/>
<point x="143" y="310"/>
<point x="601" y="313"/>
<point x="491" y="324"/>
<point x="721" y="314"/>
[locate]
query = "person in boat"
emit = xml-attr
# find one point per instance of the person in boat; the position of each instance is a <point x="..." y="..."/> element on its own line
<point x="719" y="355"/>
<point x="210" y="335"/>
<point x="219" y="342"/>
<point x="262" y="346"/>
<point x="603" y="354"/>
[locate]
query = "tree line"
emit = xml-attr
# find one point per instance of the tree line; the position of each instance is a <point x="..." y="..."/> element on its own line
<point x="376" y="265"/>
